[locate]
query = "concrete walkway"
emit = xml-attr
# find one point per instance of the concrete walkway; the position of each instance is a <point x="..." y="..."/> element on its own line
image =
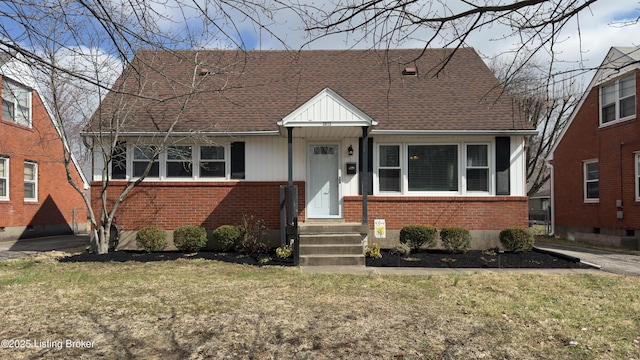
<point x="610" y="262"/>
<point x="20" y="248"/>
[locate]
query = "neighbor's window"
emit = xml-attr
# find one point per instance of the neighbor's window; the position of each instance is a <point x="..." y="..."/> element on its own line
<point x="389" y="168"/>
<point x="142" y="155"/>
<point x="618" y="100"/>
<point x="16" y="103"/>
<point x="180" y="161"/>
<point x="432" y="167"/>
<point x="30" y="181"/>
<point x="4" y="178"/>
<point x="478" y="168"/>
<point x="212" y="162"/>
<point x="591" y="181"/>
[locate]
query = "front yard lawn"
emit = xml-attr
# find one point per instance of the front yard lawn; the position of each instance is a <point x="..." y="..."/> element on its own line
<point x="196" y="308"/>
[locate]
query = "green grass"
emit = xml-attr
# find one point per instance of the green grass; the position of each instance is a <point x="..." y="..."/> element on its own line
<point x="207" y="309"/>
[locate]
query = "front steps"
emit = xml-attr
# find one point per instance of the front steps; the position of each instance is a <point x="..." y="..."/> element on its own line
<point x="332" y="244"/>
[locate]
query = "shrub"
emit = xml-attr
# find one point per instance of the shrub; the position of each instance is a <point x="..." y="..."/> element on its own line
<point x="284" y="252"/>
<point x="373" y="251"/>
<point x="455" y="239"/>
<point x="400" y="249"/>
<point x="225" y="237"/>
<point x="190" y="238"/>
<point x="151" y="239"/>
<point x="418" y="235"/>
<point x="252" y="232"/>
<point x="516" y="239"/>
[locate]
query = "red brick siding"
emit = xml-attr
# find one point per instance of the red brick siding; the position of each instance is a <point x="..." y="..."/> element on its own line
<point x="209" y="204"/>
<point x="41" y="144"/>
<point x="614" y="146"/>
<point x="473" y="213"/>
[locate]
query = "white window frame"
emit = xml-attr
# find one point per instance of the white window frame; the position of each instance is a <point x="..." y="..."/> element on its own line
<point x="4" y="176"/>
<point x="399" y="167"/>
<point x="10" y="94"/>
<point x="226" y="160"/>
<point x="134" y="160"/>
<point x="489" y="167"/>
<point x="33" y="181"/>
<point x="585" y="180"/>
<point x="166" y="160"/>
<point x="617" y="100"/>
<point x="462" y="168"/>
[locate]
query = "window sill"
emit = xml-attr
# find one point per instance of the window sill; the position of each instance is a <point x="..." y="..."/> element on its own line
<point x="618" y="121"/>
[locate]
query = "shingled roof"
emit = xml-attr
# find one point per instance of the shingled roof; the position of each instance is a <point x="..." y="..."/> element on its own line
<point x="250" y="91"/>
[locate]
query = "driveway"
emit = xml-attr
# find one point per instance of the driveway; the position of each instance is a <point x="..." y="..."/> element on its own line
<point x="20" y="248"/>
<point x="611" y="262"/>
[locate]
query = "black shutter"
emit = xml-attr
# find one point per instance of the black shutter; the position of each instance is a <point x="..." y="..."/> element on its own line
<point x="369" y="174"/>
<point x="119" y="161"/>
<point x="237" y="160"/>
<point x="503" y="156"/>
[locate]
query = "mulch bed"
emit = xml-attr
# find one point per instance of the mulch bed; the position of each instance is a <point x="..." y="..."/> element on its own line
<point x="478" y="259"/>
<point x="425" y="259"/>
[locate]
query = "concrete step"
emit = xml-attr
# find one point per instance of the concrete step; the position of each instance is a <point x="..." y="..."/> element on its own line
<point x="331" y="260"/>
<point x="330" y="249"/>
<point x="329" y="239"/>
<point x="333" y="228"/>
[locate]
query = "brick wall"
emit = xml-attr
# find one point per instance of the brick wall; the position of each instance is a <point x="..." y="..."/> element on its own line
<point x="473" y="213"/>
<point x="56" y="198"/>
<point x="209" y="204"/>
<point x="614" y="146"/>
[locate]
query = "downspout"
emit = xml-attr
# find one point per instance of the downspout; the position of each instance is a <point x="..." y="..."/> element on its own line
<point x="552" y="230"/>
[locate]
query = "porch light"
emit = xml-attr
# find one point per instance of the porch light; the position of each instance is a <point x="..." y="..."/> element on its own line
<point x="350" y="150"/>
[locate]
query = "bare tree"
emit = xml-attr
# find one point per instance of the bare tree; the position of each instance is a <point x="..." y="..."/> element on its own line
<point x="535" y="24"/>
<point x="78" y="48"/>
<point x="546" y="104"/>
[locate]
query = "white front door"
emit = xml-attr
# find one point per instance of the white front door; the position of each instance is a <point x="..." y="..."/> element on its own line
<point x="323" y="185"/>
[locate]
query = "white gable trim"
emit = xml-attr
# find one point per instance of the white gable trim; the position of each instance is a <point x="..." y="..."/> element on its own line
<point x="614" y="65"/>
<point x="327" y="108"/>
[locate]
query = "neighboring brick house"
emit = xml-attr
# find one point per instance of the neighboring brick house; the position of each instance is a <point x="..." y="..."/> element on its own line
<point x="35" y="196"/>
<point x="445" y="147"/>
<point x="596" y="162"/>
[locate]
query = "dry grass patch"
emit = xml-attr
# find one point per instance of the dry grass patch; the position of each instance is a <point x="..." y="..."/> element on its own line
<point x="206" y="309"/>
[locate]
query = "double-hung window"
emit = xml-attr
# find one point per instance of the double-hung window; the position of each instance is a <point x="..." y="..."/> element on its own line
<point x="618" y="100"/>
<point x="477" y="168"/>
<point x="142" y="155"/>
<point x="432" y="168"/>
<point x="4" y="178"/>
<point x="180" y="161"/>
<point x="16" y="103"/>
<point x="591" y="181"/>
<point x="212" y="162"/>
<point x="389" y="171"/>
<point x="637" y="176"/>
<point x="30" y="181"/>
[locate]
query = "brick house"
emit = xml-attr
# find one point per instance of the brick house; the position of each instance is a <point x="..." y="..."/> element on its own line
<point x="596" y="172"/>
<point x="444" y="147"/>
<point x="35" y="196"/>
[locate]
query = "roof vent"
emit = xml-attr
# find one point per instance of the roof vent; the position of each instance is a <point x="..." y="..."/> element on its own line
<point x="410" y="71"/>
<point x="204" y="71"/>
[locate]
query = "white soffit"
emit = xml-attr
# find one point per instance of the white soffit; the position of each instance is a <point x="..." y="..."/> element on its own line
<point x="327" y="108"/>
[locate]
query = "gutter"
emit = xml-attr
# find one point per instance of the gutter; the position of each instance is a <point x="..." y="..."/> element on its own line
<point x="453" y="132"/>
<point x="183" y="133"/>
